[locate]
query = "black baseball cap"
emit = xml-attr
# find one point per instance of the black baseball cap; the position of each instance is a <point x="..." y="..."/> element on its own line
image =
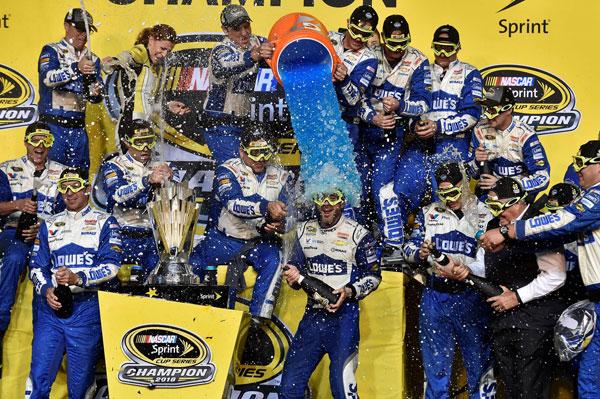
<point x="255" y="132"/>
<point x="36" y="127"/>
<point x="507" y="187"/>
<point x="450" y="173"/>
<point x="591" y="149"/>
<point x="562" y="194"/>
<point x="75" y="16"/>
<point x="451" y="33"/>
<point x="234" y="15"/>
<point x="75" y="172"/>
<point x="364" y="14"/>
<point x="497" y="95"/>
<point x="139" y="126"/>
<point x="395" y="23"/>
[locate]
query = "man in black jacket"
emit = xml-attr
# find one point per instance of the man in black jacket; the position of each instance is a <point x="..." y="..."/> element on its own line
<point x="525" y="313"/>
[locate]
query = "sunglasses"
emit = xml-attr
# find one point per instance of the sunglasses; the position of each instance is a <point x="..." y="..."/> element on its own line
<point x="331" y="198"/>
<point x="492" y="112"/>
<point x="397" y="42"/>
<point x="580" y="162"/>
<point x="259" y="153"/>
<point x="40" y="137"/>
<point x="444" y="49"/>
<point x="360" y="33"/>
<point x="142" y="143"/>
<point x="450" y="195"/>
<point x="497" y="207"/>
<point x="72" y="183"/>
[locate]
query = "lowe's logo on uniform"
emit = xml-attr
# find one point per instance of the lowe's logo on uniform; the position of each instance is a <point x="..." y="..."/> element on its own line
<point x="84" y="259"/>
<point x="327" y="269"/>
<point x="455" y="243"/>
<point x="544" y="220"/>
<point x="244" y="209"/>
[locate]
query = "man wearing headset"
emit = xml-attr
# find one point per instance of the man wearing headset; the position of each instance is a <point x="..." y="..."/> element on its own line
<point x="128" y="182"/>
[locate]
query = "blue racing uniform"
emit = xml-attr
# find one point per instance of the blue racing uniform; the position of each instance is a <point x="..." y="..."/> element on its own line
<point x="455" y="111"/>
<point x="409" y="82"/>
<point x="127" y="191"/>
<point x="515" y="152"/>
<point x="450" y="312"/>
<point x="244" y="197"/>
<point x="17" y="181"/>
<point x="232" y="79"/>
<point x="62" y="101"/>
<point x="582" y="220"/>
<point x="87" y="242"/>
<point x="343" y="255"/>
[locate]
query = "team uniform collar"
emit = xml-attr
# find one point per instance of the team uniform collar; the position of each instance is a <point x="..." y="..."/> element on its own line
<point x="79" y="214"/>
<point x="64" y="42"/>
<point x="30" y="167"/>
<point x="134" y="161"/>
<point x="334" y="227"/>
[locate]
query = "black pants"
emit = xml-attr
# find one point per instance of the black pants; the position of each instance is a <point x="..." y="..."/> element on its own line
<point x="524" y="361"/>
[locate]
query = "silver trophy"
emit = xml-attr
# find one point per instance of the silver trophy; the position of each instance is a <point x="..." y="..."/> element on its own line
<point x="174" y="213"/>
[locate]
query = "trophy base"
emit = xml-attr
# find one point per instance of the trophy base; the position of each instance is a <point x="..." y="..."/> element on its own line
<point x="172" y="270"/>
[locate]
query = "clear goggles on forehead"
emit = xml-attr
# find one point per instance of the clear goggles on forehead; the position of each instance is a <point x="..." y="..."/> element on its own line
<point x="142" y="143"/>
<point x="257" y="154"/>
<point x="581" y="162"/>
<point x="450" y="194"/>
<point x="331" y="198"/>
<point x="496" y="206"/>
<point x="73" y="183"/>
<point x="444" y="49"/>
<point x="40" y="137"/>
<point x="360" y="33"/>
<point x="397" y="42"/>
<point x="492" y="112"/>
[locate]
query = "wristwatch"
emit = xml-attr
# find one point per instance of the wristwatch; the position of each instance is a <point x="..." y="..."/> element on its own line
<point x="504" y="232"/>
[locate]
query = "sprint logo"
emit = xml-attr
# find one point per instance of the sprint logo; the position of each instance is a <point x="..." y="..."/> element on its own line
<point x="511" y="4"/>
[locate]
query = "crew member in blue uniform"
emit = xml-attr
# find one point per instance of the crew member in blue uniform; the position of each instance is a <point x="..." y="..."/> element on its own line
<point x="128" y="183"/>
<point x="252" y="194"/>
<point x="579" y="220"/>
<point x="79" y="247"/>
<point x="69" y="76"/>
<point x="341" y="253"/>
<point x="18" y="179"/>
<point x="451" y="312"/>
<point x="509" y="146"/>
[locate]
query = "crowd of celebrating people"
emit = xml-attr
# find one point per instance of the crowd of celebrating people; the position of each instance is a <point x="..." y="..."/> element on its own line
<point x="445" y="167"/>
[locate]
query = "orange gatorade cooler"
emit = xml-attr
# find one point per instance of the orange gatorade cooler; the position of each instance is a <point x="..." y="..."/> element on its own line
<point x="300" y="40"/>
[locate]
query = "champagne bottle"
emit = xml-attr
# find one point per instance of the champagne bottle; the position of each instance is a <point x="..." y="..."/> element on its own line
<point x="484" y="168"/>
<point x="317" y="289"/>
<point x="482" y="285"/>
<point x="26" y="220"/>
<point x="65" y="297"/>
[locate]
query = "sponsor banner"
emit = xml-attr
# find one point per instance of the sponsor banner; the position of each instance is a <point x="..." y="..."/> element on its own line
<point x="16" y="99"/>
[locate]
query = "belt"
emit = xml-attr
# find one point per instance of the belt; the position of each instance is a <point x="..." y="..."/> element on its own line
<point x="594" y="296"/>
<point x="136" y="233"/>
<point x="64" y="122"/>
<point x="351" y="120"/>
<point x="447" y="287"/>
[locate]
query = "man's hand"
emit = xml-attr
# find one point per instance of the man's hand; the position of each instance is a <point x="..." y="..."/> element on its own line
<point x="86" y="66"/>
<point x="390" y="104"/>
<point x="96" y="89"/>
<point x="425" y="250"/>
<point x="491" y="240"/>
<point x="481" y="154"/>
<point x="160" y="174"/>
<point x="446" y="271"/>
<point x="487" y="182"/>
<point x="178" y="108"/>
<point x="425" y="129"/>
<point x="264" y="51"/>
<point x="344" y="292"/>
<point x="52" y="299"/>
<point x="25" y="205"/>
<point x="65" y="276"/>
<point x="384" y="121"/>
<point x="340" y="72"/>
<point x="30" y="233"/>
<point x="460" y="272"/>
<point x="505" y="301"/>
<point x="291" y="274"/>
<point x="277" y="210"/>
<point x="274" y="227"/>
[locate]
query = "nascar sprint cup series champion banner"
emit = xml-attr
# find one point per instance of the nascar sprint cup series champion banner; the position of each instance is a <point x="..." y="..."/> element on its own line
<point x="541" y="49"/>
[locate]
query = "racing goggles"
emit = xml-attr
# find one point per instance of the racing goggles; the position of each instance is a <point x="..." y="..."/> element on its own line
<point x="496" y="207"/>
<point x="40" y="137"/>
<point x="444" y="49"/>
<point x="360" y="33"/>
<point x="261" y="153"/>
<point x="580" y="162"/>
<point x="71" y="182"/>
<point x="450" y="194"/>
<point x="492" y="112"/>
<point x="331" y="198"/>
<point x="397" y="42"/>
<point x="142" y="143"/>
